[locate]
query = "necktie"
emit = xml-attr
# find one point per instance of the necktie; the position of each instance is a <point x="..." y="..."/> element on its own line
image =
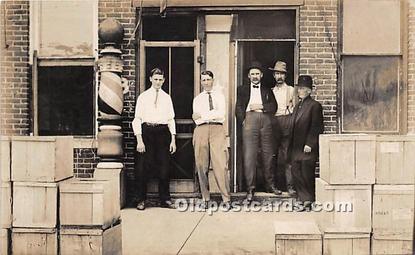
<point x="157" y="95"/>
<point x="300" y="103"/>
<point x="210" y="101"/>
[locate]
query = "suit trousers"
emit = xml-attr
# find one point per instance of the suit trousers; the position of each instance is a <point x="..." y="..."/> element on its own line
<point x="257" y="133"/>
<point x="304" y="179"/>
<point x="281" y="128"/>
<point x="155" y="160"/>
<point x="209" y="142"/>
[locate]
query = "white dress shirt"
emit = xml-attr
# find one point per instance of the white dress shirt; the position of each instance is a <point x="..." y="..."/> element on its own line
<point x="201" y="106"/>
<point x="284" y="95"/>
<point x="147" y="110"/>
<point x="255" y="97"/>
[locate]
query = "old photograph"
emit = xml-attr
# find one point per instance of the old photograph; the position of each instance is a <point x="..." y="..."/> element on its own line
<point x="222" y="127"/>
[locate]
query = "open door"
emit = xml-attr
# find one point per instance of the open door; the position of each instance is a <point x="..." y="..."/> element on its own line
<point x="178" y="59"/>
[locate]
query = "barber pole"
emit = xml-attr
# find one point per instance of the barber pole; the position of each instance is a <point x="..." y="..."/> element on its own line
<point x="112" y="88"/>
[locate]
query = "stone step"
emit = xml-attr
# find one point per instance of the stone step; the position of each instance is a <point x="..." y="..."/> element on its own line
<point x="152" y="198"/>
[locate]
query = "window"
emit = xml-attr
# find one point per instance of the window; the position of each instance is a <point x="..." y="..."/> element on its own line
<point x="63" y="43"/>
<point x="66" y="100"/>
<point x="372" y="67"/>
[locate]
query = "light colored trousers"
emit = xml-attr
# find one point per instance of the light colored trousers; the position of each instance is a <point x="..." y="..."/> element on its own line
<point x="209" y="142"/>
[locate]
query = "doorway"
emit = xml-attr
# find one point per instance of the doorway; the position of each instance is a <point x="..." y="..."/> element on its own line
<point x="264" y="37"/>
<point x="178" y="59"/>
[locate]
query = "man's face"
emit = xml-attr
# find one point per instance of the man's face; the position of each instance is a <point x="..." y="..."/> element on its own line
<point x="303" y="92"/>
<point x="279" y="77"/>
<point x="207" y="82"/>
<point x="255" y="75"/>
<point x="157" y="81"/>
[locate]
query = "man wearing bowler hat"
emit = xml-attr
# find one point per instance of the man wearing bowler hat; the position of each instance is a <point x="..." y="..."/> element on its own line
<point x="255" y="106"/>
<point x="307" y="126"/>
<point x="281" y="122"/>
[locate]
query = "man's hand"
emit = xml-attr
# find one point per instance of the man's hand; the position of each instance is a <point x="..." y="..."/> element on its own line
<point x="254" y="107"/>
<point x="196" y="116"/>
<point x="141" y="148"/>
<point x="173" y="144"/>
<point x="307" y="149"/>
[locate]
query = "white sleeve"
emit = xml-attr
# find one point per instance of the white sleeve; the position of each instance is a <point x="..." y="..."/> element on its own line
<point x="138" y="119"/>
<point x="170" y="121"/>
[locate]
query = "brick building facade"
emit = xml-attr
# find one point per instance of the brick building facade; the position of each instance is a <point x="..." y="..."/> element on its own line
<point x="316" y="51"/>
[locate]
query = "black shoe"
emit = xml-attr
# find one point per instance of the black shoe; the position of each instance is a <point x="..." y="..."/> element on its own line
<point x="204" y="205"/>
<point x="167" y="204"/>
<point x="141" y="206"/>
<point x="291" y="191"/>
<point x="250" y="195"/>
<point x="275" y="191"/>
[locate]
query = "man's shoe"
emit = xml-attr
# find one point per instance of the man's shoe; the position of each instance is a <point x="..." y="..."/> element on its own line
<point x="227" y="206"/>
<point x="204" y="205"/>
<point x="291" y="191"/>
<point x="250" y="195"/>
<point x="274" y="190"/>
<point x="167" y="204"/>
<point x="141" y="206"/>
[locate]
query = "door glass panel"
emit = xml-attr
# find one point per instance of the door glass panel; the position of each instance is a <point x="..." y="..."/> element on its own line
<point x="178" y="65"/>
<point x="182" y="80"/>
<point x="157" y="57"/>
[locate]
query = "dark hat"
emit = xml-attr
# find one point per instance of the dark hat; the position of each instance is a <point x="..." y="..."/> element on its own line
<point x="279" y="67"/>
<point x="305" y="81"/>
<point x="255" y="65"/>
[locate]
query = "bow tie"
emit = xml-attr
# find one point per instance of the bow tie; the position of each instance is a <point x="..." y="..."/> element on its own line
<point x="256" y="86"/>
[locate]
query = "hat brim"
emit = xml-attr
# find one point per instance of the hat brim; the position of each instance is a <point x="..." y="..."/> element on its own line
<point x="304" y="85"/>
<point x="277" y="70"/>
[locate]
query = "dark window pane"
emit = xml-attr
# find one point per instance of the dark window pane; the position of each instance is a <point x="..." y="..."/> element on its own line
<point x="182" y="82"/>
<point x="66" y="101"/>
<point x="266" y="25"/>
<point x="180" y="28"/>
<point x="370" y="93"/>
<point x="157" y="57"/>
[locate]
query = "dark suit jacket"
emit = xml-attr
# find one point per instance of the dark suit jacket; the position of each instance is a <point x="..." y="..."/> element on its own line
<point x="308" y="125"/>
<point x="242" y="100"/>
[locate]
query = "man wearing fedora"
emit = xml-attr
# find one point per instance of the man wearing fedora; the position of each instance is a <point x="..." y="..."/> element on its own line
<point x="307" y="126"/>
<point x="255" y="106"/>
<point x="281" y="122"/>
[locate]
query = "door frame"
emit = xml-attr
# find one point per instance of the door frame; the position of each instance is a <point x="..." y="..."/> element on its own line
<point x="176" y="185"/>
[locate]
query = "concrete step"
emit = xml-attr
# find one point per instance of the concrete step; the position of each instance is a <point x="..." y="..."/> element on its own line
<point x="153" y="198"/>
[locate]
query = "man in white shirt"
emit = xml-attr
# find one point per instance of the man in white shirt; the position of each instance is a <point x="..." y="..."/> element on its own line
<point x="209" y="139"/>
<point x="282" y="122"/>
<point x="155" y="130"/>
<point x="255" y="106"/>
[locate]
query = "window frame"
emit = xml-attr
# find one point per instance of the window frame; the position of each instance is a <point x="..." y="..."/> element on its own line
<point x="402" y="99"/>
<point x="52" y="61"/>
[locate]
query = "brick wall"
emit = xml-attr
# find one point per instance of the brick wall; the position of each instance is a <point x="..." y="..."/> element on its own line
<point x="411" y="69"/>
<point x="85" y="161"/>
<point x="318" y="53"/>
<point x="14" y="64"/>
<point x="125" y="13"/>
